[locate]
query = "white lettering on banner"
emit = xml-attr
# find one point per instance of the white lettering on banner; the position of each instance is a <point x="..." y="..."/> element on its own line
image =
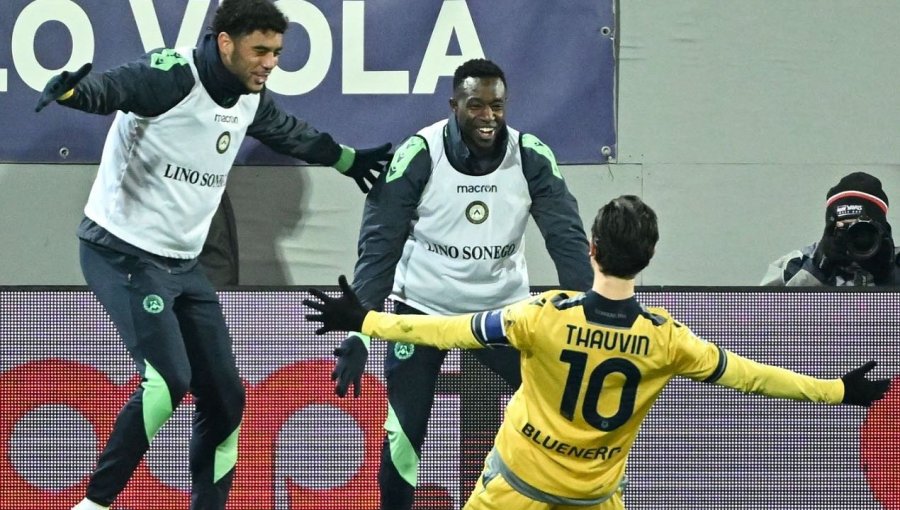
<point x="151" y="34"/>
<point x="355" y="79"/>
<point x="454" y="19"/>
<point x="32" y="17"/>
<point x="308" y="77"/>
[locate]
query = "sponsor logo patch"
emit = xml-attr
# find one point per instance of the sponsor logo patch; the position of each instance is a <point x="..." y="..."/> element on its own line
<point x="850" y="210"/>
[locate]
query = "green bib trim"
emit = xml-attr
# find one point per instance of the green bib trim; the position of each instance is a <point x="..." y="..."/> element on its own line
<point x="403" y="155"/>
<point x="532" y="142"/>
<point x="166" y="59"/>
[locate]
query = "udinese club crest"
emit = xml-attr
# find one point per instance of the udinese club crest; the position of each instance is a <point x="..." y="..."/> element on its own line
<point x="404" y="350"/>
<point x="223" y="142"/>
<point x="477" y="212"/>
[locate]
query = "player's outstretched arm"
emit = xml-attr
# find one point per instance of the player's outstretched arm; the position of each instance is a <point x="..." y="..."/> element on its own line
<point x="61" y="86"/>
<point x="749" y="376"/>
<point x="860" y="391"/>
<point x="346" y="313"/>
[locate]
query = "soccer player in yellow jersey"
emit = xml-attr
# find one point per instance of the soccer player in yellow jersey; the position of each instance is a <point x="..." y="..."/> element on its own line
<point x="593" y="363"/>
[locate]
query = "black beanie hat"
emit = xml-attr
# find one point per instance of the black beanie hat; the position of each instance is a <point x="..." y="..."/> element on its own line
<point x="857" y="194"/>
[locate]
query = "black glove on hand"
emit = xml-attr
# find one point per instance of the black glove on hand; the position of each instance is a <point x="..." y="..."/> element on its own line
<point x="351" y="363"/>
<point x="826" y="257"/>
<point x="860" y="391"/>
<point x="365" y="165"/>
<point x="345" y="313"/>
<point x="60" y="84"/>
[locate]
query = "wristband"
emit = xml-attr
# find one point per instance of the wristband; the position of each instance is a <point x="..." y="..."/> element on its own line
<point x="345" y="161"/>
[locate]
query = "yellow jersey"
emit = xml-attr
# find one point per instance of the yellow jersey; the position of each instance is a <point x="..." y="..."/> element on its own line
<point x="591" y="369"/>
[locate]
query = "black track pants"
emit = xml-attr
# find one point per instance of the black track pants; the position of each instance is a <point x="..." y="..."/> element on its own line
<point x="170" y="320"/>
<point x="411" y="378"/>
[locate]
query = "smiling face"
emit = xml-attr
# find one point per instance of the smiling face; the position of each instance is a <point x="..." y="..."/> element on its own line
<point x="480" y="105"/>
<point x="251" y="57"/>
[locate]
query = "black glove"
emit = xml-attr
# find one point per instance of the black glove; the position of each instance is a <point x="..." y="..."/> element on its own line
<point x="351" y="363"/>
<point x="860" y="391"/>
<point x="60" y="84"/>
<point x="827" y="256"/>
<point x="366" y="163"/>
<point x="345" y="313"/>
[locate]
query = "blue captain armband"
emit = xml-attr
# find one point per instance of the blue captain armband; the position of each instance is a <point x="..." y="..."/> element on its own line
<point x="489" y="329"/>
<point x="720" y="367"/>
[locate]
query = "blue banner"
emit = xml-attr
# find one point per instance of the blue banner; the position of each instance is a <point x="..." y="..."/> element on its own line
<point x="366" y="72"/>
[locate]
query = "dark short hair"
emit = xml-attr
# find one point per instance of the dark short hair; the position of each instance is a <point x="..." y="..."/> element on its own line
<point x="241" y="17"/>
<point x="477" y="68"/>
<point x="624" y="233"/>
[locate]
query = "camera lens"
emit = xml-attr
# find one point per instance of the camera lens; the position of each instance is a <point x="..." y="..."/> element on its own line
<point x="863" y="239"/>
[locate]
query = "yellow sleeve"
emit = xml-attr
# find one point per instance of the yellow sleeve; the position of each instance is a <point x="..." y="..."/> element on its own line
<point x="693" y="357"/>
<point x="433" y="330"/>
<point x="750" y="376"/>
<point x="505" y="327"/>
<point x="519" y="320"/>
<point x="701" y="360"/>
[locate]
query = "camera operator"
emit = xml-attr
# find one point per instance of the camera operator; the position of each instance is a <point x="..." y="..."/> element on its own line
<point x="856" y="248"/>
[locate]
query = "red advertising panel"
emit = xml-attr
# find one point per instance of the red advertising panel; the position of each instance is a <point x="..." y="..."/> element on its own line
<point x="64" y="375"/>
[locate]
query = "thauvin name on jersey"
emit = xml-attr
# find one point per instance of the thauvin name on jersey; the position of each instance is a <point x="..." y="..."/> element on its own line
<point x="549" y="442"/>
<point x="181" y="174"/>
<point x="609" y="340"/>
<point x="491" y="252"/>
